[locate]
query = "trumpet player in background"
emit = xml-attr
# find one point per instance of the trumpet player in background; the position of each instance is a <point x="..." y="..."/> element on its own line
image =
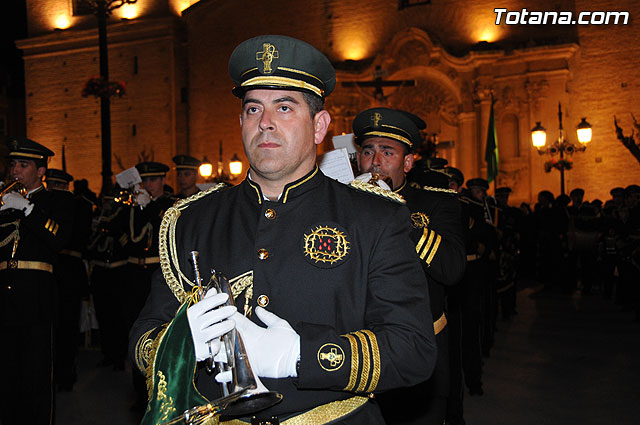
<point x="142" y="225"/>
<point x="329" y="297"/>
<point x="34" y="226"/>
<point x="73" y="282"/>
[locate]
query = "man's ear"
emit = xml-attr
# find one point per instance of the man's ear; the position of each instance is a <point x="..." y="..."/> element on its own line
<point x="408" y="162"/>
<point x="41" y="172"/>
<point x="321" y="123"/>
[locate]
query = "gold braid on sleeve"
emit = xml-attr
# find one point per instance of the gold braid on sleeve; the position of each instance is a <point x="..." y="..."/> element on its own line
<point x="168" y="248"/>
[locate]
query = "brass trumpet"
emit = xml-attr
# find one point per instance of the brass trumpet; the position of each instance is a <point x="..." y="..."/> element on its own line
<point x="15" y="186"/>
<point x="126" y="197"/>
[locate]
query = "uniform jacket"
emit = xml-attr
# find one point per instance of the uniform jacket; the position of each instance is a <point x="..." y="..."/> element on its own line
<point x="335" y="262"/>
<point x="29" y="295"/>
<point x="439" y="243"/>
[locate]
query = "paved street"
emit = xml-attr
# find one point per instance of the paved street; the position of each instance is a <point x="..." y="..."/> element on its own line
<point x="564" y="359"/>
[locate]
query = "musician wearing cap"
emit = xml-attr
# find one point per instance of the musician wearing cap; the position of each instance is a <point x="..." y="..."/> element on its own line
<point x="387" y="139"/>
<point x="329" y="297"/>
<point x="187" y="170"/>
<point x="73" y="282"/>
<point x="143" y="224"/>
<point x="34" y="226"/>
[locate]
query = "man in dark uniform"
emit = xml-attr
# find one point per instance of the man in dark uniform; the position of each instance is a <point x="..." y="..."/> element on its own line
<point x="473" y="286"/>
<point x="143" y="225"/>
<point x="33" y="228"/>
<point x="348" y="310"/>
<point x="73" y="282"/>
<point x="509" y="252"/>
<point x="387" y="140"/>
<point x="108" y="261"/>
<point x="463" y="323"/>
<point x="187" y="169"/>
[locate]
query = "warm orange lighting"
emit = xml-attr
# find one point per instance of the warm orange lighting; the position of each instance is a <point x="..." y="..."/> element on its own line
<point x="538" y="136"/>
<point x="354" y="50"/>
<point x="488" y="33"/>
<point x="584" y="132"/>
<point x="129" y="11"/>
<point x="62" y="22"/>
<point x="235" y="166"/>
<point x="180" y="5"/>
<point x="205" y="169"/>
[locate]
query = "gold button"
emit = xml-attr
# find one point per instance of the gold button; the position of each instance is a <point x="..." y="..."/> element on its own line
<point x="9" y="287"/>
<point x="263" y="301"/>
<point x="270" y="214"/>
<point x="263" y="254"/>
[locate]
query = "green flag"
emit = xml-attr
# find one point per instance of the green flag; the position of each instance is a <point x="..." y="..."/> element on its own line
<point x="491" y="152"/>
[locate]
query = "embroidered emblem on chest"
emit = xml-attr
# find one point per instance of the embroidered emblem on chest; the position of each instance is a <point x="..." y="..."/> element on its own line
<point x="330" y="357"/>
<point x="325" y="246"/>
<point x="419" y="220"/>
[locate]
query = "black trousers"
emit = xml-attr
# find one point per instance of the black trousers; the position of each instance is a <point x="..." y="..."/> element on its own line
<point x="73" y="286"/>
<point x="26" y="373"/>
<point x="109" y="292"/>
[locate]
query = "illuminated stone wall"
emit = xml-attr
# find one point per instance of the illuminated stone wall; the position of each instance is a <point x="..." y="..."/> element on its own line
<point x="150" y="118"/>
<point x="591" y="70"/>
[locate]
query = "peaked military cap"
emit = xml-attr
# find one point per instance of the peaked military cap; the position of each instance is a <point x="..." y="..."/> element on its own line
<point x="186" y="162"/>
<point x="23" y="148"/>
<point x="433" y="163"/>
<point x="53" y="174"/>
<point x="478" y="182"/>
<point x="617" y="191"/>
<point x="503" y="190"/>
<point x="455" y="175"/>
<point x="151" y="169"/>
<point x="280" y="63"/>
<point x="401" y="126"/>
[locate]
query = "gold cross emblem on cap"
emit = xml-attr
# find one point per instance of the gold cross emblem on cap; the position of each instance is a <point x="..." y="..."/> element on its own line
<point x="376" y="118"/>
<point x="267" y="55"/>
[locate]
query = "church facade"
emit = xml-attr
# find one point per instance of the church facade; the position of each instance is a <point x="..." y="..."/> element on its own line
<point x="444" y="61"/>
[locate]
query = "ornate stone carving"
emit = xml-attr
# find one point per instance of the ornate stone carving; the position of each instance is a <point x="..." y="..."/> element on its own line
<point x="427" y="97"/>
<point x="536" y="91"/>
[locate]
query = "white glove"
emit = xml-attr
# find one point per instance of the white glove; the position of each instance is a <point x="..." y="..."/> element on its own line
<point x="17" y="202"/>
<point x="367" y="176"/>
<point x="209" y="323"/>
<point x="142" y="198"/>
<point x="273" y="351"/>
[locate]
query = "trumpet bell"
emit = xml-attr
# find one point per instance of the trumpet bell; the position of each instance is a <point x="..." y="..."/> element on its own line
<point x="251" y="394"/>
<point x="14" y="186"/>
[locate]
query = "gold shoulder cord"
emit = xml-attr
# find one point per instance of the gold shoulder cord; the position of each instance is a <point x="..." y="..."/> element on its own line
<point x="169" y="251"/>
<point x="377" y="190"/>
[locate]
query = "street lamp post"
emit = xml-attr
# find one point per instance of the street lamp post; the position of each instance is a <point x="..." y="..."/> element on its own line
<point x="102" y="9"/>
<point x="561" y="147"/>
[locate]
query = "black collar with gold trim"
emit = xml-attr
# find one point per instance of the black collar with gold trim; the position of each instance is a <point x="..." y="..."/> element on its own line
<point x="291" y="190"/>
<point x="404" y="183"/>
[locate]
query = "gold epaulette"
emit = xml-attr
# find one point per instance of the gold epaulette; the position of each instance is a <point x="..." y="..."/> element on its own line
<point x="377" y="190"/>
<point x="433" y="189"/>
<point x="167" y="244"/>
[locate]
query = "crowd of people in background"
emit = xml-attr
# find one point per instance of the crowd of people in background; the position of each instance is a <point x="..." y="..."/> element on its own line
<point x="563" y="243"/>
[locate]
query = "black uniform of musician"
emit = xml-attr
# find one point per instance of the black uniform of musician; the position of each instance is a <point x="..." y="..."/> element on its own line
<point x="187" y="169"/>
<point x="142" y="225"/>
<point x="72" y="279"/>
<point x="109" y="259"/>
<point x="32" y="230"/>
<point x="329" y="269"/>
<point x="387" y="139"/>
